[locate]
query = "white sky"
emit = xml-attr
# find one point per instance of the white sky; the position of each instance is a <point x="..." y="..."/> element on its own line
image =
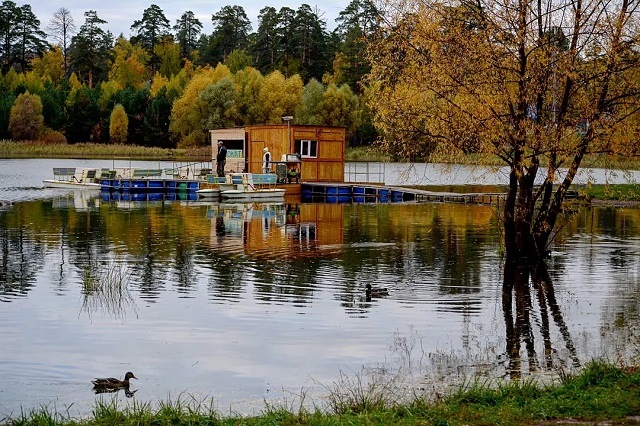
<point x="120" y="14"/>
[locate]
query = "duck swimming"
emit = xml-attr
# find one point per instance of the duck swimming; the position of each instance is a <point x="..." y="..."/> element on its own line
<point x="376" y="291"/>
<point x="113" y="383"/>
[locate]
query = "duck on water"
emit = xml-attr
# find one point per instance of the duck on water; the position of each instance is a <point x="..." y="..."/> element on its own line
<point x="107" y="384"/>
<point x="376" y="291"/>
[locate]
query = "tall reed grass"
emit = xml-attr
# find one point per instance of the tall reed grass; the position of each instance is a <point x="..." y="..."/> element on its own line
<point x="105" y="288"/>
<point x="10" y="149"/>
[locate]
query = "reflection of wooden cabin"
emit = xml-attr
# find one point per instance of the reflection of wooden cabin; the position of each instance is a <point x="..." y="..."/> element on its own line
<point x="278" y="230"/>
<point x="316" y="151"/>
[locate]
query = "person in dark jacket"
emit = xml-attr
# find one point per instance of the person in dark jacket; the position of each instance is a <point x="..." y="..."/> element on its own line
<point x="221" y="159"/>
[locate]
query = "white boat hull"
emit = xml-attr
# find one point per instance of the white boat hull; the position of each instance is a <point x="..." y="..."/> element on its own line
<point x="250" y="195"/>
<point x="208" y="193"/>
<point x="70" y="185"/>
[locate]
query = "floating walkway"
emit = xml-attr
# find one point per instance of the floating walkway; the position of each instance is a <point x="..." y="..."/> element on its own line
<point x="146" y="180"/>
<point x="346" y="192"/>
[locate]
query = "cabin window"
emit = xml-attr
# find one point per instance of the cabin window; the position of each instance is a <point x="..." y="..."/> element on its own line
<point x="307" y="148"/>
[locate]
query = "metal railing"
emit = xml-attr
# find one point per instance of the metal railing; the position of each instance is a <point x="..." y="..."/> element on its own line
<point x="364" y="172"/>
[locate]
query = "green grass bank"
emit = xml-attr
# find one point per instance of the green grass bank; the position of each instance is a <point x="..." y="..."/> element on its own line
<point x="601" y="394"/>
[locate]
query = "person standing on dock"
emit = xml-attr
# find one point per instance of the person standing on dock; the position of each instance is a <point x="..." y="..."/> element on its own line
<point x="221" y="159"/>
<point x="266" y="160"/>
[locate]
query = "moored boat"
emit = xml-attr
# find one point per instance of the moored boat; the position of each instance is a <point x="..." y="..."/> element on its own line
<point x="250" y="186"/>
<point x="208" y="193"/>
<point x="253" y="194"/>
<point x="75" y="178"/>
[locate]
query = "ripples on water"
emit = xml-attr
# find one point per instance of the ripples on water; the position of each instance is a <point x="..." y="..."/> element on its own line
<point x="242" y="302"/>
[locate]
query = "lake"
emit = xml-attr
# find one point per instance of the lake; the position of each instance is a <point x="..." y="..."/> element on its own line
<point x="242" y="303"/>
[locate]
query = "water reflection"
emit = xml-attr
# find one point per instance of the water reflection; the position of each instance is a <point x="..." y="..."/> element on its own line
<point x="219" y="291"/>
<point x="518" y="317"/>
<point x="127" y="392"/>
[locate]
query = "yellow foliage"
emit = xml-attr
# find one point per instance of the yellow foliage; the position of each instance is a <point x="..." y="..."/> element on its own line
<point x="107" y="90"/>
<point x="158" y="83"/>
<point x="279" y="96"/>
<point x="129" y="65"/>
<point x="249" y="83"/>
<point x="51" y="66"/>
<point x="26" y="121"/>
<point x="118" y="125"/>
<point x="33" y="82"/>
<point x="187" y="113"/>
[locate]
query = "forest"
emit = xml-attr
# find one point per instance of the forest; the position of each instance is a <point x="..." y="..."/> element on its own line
<point x="169" y="83"/>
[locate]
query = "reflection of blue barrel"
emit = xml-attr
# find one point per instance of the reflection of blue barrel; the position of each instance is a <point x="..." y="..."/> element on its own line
<point x="155" y="184"/>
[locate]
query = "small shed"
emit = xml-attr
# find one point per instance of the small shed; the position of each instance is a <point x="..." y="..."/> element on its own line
<point x="316" y="152"/>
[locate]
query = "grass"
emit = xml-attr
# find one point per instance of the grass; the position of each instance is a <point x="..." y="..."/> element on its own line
<point x="10" y="149"/>
<point x="601" y="392"/>
<point x="619" y="192"/>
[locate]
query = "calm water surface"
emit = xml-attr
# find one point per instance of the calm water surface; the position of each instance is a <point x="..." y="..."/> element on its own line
<point x="245" y="302"/>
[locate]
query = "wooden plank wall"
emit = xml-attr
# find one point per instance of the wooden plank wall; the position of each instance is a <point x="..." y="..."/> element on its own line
<point x="328" y="167"/>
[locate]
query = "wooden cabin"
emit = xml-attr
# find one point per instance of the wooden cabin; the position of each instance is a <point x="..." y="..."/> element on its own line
<point x="316" y="152"/>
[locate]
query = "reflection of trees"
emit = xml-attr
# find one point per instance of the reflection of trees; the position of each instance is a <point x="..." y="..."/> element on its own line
<point x="437" y="243"/>
<point x="290" y="280"/>
<point x="21" y="256"/>
<point x="518" y="318"/>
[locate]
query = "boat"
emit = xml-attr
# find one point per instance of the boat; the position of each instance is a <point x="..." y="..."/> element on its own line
<point x="208" y="193"/>
<point x="75" y="178"/>
<point x="250" y="187"/>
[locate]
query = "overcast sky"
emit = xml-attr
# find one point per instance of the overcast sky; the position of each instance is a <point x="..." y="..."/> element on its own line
<point x="120" y="14"/>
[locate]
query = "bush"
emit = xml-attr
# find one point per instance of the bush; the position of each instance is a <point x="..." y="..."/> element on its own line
<point x="26" y="121"/>
<point x="53" y="137"/>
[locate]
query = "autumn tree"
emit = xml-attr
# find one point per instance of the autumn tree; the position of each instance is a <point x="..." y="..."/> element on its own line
<point x="237" y="60"/>
<point x="279" y="96"/>
<point x="534" y="83"/>
<point x="250" y="82"/>
<point x="118" y="125"/>
<point x="51" y="66"/>
<point x="168" y="54"/>
<point x="188" y="114"/>
<point x="129" y="64"/>
<point x="26" y="121"/>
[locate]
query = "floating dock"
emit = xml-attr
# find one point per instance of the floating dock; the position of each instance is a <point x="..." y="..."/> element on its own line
<point x="353" y="192"/>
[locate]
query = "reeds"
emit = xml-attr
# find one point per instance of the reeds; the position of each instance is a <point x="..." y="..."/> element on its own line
<point x="10" y="149"/>
<point x="106" y="288"/>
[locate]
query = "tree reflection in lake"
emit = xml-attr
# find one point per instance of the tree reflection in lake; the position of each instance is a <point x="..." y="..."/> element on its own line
<point x="518" y="319"/>
<point x="225" y="289"/>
